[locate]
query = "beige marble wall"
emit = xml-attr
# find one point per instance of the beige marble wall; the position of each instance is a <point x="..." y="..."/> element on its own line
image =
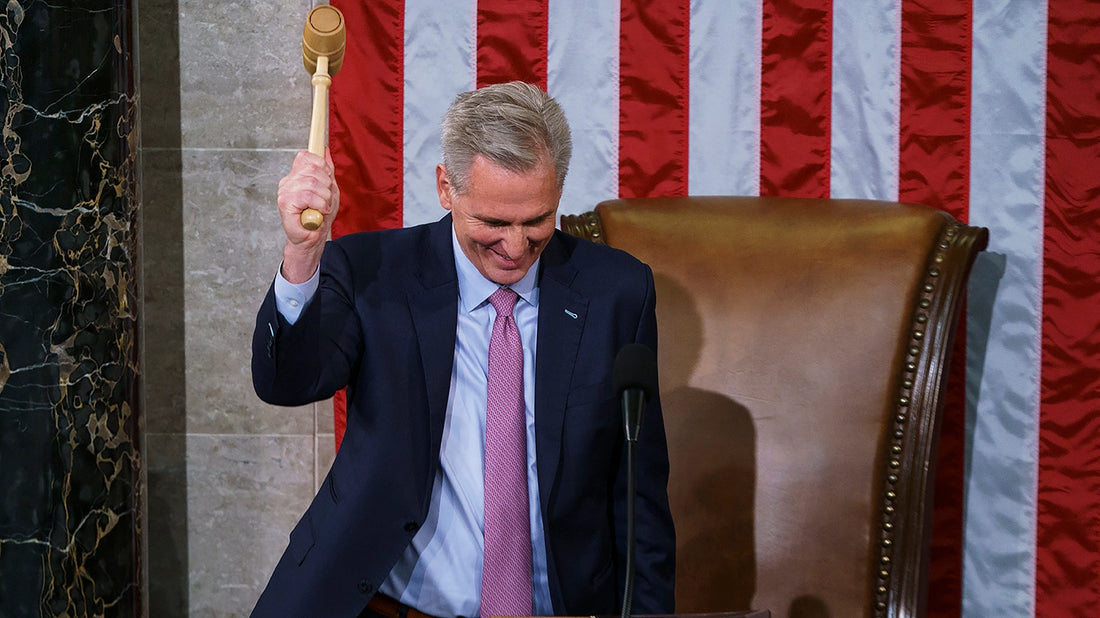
<point x="225" y="105"/>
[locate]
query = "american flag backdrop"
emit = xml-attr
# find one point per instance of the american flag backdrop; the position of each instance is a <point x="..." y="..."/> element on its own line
<point x="987" y="109"/>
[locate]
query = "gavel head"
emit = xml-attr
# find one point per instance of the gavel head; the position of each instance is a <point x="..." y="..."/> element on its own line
<point x="323" y="35"/>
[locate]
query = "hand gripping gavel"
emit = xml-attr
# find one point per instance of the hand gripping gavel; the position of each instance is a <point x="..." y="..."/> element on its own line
<point x="323" y="41"/>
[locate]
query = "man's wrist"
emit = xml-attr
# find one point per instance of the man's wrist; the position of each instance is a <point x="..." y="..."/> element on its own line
<point x="299" y="265"/>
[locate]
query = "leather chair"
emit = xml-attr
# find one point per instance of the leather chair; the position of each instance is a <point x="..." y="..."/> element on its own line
<point x="804" y="348"/>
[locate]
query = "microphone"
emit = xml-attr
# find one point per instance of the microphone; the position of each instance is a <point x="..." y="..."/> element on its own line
<point x="635" y="379"/>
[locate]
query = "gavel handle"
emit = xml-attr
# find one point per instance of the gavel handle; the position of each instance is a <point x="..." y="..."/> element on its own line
<point x="311" y="219"/>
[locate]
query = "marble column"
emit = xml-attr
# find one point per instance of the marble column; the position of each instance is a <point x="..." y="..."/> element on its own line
<point x="225" y="105"/>
<point x="71" y="491"/>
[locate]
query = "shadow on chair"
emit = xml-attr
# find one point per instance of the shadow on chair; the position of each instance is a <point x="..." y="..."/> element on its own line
<point x="803" y="353"/>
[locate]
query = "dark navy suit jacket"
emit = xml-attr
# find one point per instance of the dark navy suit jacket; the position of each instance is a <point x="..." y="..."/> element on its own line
<point x="383" y="323"/>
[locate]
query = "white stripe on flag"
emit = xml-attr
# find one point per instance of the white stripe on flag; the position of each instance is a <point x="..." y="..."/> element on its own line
<point x="1008" y="124"/>
<point x="440" y="47"/>
<point x="583" y="76"/>
<point x="724" y="113"/>
<point x="866" y="94"/>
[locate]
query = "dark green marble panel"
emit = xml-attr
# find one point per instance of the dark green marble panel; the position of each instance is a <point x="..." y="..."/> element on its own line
<point x="70" y="490"/>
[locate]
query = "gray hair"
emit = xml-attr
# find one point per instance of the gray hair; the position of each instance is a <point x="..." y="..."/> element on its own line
<point x="515" y="125"/>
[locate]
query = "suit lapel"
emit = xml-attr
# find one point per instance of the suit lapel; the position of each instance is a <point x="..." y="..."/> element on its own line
<point x="562" y="314"/>
<point x="433" y="303"/>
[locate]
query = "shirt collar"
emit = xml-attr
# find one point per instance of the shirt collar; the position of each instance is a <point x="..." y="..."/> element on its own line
<point x="474" y="289"/>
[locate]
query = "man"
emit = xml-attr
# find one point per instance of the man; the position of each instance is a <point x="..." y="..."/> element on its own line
<point x="456" y="492"/>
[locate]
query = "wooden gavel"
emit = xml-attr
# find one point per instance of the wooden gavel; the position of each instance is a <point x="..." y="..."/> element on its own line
<point x="323" y="39"/>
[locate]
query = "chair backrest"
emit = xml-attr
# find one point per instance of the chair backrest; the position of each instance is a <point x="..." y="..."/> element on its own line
<point x="803" y="354"/>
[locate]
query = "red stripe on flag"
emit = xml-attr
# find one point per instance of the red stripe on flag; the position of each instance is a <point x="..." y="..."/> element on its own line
<point x="511" y="41"/>
<point x="795" y="98"/>
<point x="365" y="126"/>
<point x="365" y="123"/>
<point x="653" y="98"/>
<point x="1068" y="539"/>
<point x="934" y="169"/>
<point x="934" y="157"/>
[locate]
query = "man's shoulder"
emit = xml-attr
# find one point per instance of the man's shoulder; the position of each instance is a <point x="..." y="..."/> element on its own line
<point x="597" y="270"/>
<point x="596" y="257"/>
<point x="404" y="243"/>
<point x="395" y="251"/>
<point x="408" y="235"/>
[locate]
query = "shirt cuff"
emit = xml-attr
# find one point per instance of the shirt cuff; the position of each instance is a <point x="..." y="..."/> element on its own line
<point x="291" y="299"/>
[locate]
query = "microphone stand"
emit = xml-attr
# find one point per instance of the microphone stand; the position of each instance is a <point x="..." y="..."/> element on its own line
<point x="635" y="377"/>
<point x="633" y="402"/>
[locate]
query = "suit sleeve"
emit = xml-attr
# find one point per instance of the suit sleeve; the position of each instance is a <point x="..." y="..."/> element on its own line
<point x="313" y="358"/>
<point x="655" y="549"/>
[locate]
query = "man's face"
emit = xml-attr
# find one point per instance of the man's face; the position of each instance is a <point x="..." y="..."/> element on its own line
<point x="505" y="219"/>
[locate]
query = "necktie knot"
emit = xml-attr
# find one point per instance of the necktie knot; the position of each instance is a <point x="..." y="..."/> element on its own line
<point x="504" y="301"/>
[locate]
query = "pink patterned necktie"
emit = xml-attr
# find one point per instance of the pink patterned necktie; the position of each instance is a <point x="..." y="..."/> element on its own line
<point x="506" y="573"/>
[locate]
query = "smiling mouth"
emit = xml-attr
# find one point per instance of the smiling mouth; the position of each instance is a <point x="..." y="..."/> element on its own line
<point x="502" y="257"/>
